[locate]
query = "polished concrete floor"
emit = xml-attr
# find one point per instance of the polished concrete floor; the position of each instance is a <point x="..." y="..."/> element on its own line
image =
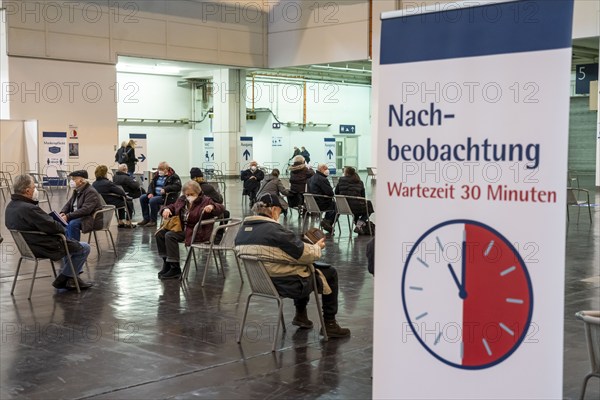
<point x="133" y="336"/>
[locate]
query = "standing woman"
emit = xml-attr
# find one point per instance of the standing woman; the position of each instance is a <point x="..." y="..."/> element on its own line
<point x="131" y="158"/>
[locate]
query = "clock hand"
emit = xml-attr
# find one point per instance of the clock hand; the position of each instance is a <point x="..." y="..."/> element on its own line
<point x="461" y="292"/>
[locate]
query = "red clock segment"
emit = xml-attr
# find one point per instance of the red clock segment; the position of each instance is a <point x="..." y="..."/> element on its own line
<point x="496" y="311"/>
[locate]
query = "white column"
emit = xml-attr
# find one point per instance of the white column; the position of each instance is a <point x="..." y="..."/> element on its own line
<point x="229" y="122"/>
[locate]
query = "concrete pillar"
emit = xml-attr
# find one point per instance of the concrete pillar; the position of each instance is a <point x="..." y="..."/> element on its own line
<point x="229" y="122"/>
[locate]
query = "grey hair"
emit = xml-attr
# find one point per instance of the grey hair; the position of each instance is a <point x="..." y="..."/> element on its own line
<point x="22" y="183"/>
<point x="298" y="159"/>
<point x="261" y="208"/>
<point x="122" y="167"/>
<point x="193" y="185"/>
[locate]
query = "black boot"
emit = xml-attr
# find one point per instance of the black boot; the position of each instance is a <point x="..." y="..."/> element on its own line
<point x="173" y="273"/>
<point x="301" y="319"/>
<point x="165" y="268"/>
<point x="60" y="282"/>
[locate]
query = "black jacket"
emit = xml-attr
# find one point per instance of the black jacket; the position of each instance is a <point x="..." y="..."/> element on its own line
<point x="319" y="184"/>
<point x="131" y="157"/>
<point x="299" y="177"/>
<point x="23" y="214"/>
<point x="128" y="183"/>
<point x="88" y="202"/>
<point x="252" y="185"/>
<point x="172" y="185"/>
<point x="353" y="186"/>
<point x="105" y="188"/>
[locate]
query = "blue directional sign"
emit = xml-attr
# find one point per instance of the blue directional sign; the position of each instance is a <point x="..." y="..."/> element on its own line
<point x="347" y="128"/>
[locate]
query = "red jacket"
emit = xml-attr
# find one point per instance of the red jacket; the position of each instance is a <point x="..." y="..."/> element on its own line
<point x="204" y="231"/>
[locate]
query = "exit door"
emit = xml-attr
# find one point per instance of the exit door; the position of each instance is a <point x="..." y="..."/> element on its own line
<point x="346" y="152"/>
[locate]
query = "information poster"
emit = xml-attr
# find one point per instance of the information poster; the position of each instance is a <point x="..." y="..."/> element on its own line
<point x="209" y="150"/>
<point x="73" y="141"/>
<point x="54" y="152"/>
<point x="472" y="155"/>
<point x="141" y="149"/>
<point x="246" y="151"/>
<point x="329" y="154"/>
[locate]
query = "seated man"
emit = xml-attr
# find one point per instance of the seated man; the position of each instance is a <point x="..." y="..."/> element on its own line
<point x="84" y="202"/>
<point x="23" y="214"/>
<point x="127" y="182"/>
<point x="319" y="185"/>
<point x="288" y="260"/>
<point x="165" y="181"/>
<point x="252" y="177"/>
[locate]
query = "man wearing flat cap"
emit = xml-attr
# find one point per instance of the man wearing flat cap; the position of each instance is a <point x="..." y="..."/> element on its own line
<point x="288" y="261"/>
<point x="84" y="202"/>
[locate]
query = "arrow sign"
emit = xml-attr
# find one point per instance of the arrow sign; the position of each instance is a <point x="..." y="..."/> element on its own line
<point x="330" y="154"/>
<point x="246" y="154"/>
<point x="142" y="158"/>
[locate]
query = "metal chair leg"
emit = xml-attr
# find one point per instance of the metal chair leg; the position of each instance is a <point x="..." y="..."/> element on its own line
<point x="33" y="279"/>
<point x="279" y="314"/>
<point x="97" y="243"/>
<point x="186" y="265"/>
<point x="113" y="243"/>
<point x="239" y="268"/>
<point x="206" y="266"/>
<point x="68" y="256"/>
<point x="12" y="290"/>
<point x="239" y="338"/>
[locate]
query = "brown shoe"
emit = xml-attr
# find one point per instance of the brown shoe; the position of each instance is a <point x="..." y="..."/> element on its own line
<point x="334" y="330"/>
<point x="82" y="284"/>
<point x="301" y="320"/>
<point x="151" y="224"/>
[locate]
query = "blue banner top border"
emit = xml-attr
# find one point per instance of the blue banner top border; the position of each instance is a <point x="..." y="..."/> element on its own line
<point x="137" y="136"/>
<point x="512" y="27"/>
<point x="54" y="134"/>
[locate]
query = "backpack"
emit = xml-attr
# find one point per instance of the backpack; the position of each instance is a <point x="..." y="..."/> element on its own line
<point x="124" y="157"/>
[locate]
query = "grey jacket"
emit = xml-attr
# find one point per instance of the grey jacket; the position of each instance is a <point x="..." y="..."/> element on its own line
<point x="274" y="187"/>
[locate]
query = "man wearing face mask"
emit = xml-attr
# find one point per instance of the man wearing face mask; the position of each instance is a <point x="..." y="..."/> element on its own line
<point x="190" y="208"/>
<point x="319" y="185"/>
<point x="164" y="182"/>
<point x="23" y="214"/>
<point x="84" y="202"/>
<point x="252" y="177"/>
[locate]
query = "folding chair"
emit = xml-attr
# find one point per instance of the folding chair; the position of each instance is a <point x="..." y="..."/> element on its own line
<point x="124" y="207"/>
<point x="343" y="208"/>
<point x="371" y="173"/>
<point x="226" y="244"/>
<point x="591" y="319"/>
<point x="573" y="200"/>
<point x="107" y="213"/>
<point x="4" y="188"/>
<point x="38" y="179"/>
<point x="311" y="206"/>
<point x="63" y="176"/>
<point x="43" y="198"/>
<point x="261" y="285"/>
<point x="27" y="254"/>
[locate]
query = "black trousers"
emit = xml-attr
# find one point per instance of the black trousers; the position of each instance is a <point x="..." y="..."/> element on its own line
<point x="168" y="244"/>
<point x="300" y="289"/>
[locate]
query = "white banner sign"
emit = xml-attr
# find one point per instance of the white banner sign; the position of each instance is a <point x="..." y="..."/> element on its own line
<point x="246" y="152"/>
<point x="329" y="154"/>
<point x="54" y="152"/>
<point x="472" y="152"/>
<point x="209" y="150"/>
<point x="141" y="150"/>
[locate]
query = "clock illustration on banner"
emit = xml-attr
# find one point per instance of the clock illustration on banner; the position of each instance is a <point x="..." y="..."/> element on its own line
<point x="467" y="294"/>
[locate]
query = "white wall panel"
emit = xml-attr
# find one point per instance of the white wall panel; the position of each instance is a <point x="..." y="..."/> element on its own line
<point x="26" y="43"/>
<point x="296" y="15"/>
<point x="195" y="36"/>
<point x="240" y="42"/>
<point x="145" y="30"/>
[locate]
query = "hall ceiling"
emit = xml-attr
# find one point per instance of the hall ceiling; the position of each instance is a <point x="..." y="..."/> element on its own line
<point x="355" y="72"/>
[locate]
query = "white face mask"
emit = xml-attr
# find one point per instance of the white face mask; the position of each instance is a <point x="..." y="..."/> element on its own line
<point x="72" y="184"/>
<point x="326" y="172"/>
<point x="161" y="173"/>
<point x="253" y="168"/>
<point x="191" y="199"/>
<point x="36" y="195"/>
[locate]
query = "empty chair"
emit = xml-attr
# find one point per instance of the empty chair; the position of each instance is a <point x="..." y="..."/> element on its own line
<point x="311" y="206"/>
<point x="107" y="213"/>
<point x="4" y="188"/>
<point x="591" y="320"/>
<point x="261" y="285"/>
<point x="342" y="208"/>
<point x="573" y="195"/>
<point x="63" y="180"/>
<point x="27" y="254"/>
<point x="371" y="173"/>
<point x="39" y="180"/>
<point x="226" y="243"/>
